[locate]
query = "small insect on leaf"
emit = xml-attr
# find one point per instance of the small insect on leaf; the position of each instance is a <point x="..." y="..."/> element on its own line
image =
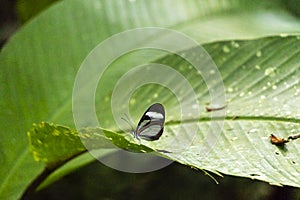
<point x="277" y="141"/>
<point x="294" y="137"/>
<point x="215" y="108"/>
<point x="234" y="117"/>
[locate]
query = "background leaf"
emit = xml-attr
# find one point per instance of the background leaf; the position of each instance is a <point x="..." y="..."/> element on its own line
<point x="26" y="10"/>
<point x="40" y="62"/>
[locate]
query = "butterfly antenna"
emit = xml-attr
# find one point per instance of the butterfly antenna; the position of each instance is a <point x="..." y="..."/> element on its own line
<point x="127" y="120"/>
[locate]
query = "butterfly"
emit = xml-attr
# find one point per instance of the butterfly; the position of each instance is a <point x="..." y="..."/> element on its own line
<point x="151" y="125"/>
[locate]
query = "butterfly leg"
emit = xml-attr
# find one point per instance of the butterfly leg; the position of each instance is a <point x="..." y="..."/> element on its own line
<point x="135" y="135"/>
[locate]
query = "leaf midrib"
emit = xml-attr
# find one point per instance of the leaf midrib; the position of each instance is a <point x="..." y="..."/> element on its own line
<point x="236" y="118"/>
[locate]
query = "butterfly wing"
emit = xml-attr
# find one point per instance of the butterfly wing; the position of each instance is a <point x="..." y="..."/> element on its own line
<point x="151" y="125"/>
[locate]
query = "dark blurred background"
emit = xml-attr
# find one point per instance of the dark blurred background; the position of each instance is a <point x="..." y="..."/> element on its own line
<point x="176" y="181"/>
<point x="8" y="20"/>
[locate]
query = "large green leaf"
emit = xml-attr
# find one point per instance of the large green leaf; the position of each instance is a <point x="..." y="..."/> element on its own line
<point x="259" y="104"/>
<point x="40" y="62"/>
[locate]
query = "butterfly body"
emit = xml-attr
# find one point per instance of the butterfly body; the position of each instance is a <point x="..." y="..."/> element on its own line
<point x="151" y="125"/>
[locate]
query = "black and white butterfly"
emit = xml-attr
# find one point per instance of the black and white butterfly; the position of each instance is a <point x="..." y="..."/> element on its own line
<point x="151" y="125"/>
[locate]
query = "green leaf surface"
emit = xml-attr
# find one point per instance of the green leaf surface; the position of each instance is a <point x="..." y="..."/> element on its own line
<point x="243" y="148"/>
<point x="40" y="62"/>
<point x="55" y="145"/>
<point x="62" y="151"/>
